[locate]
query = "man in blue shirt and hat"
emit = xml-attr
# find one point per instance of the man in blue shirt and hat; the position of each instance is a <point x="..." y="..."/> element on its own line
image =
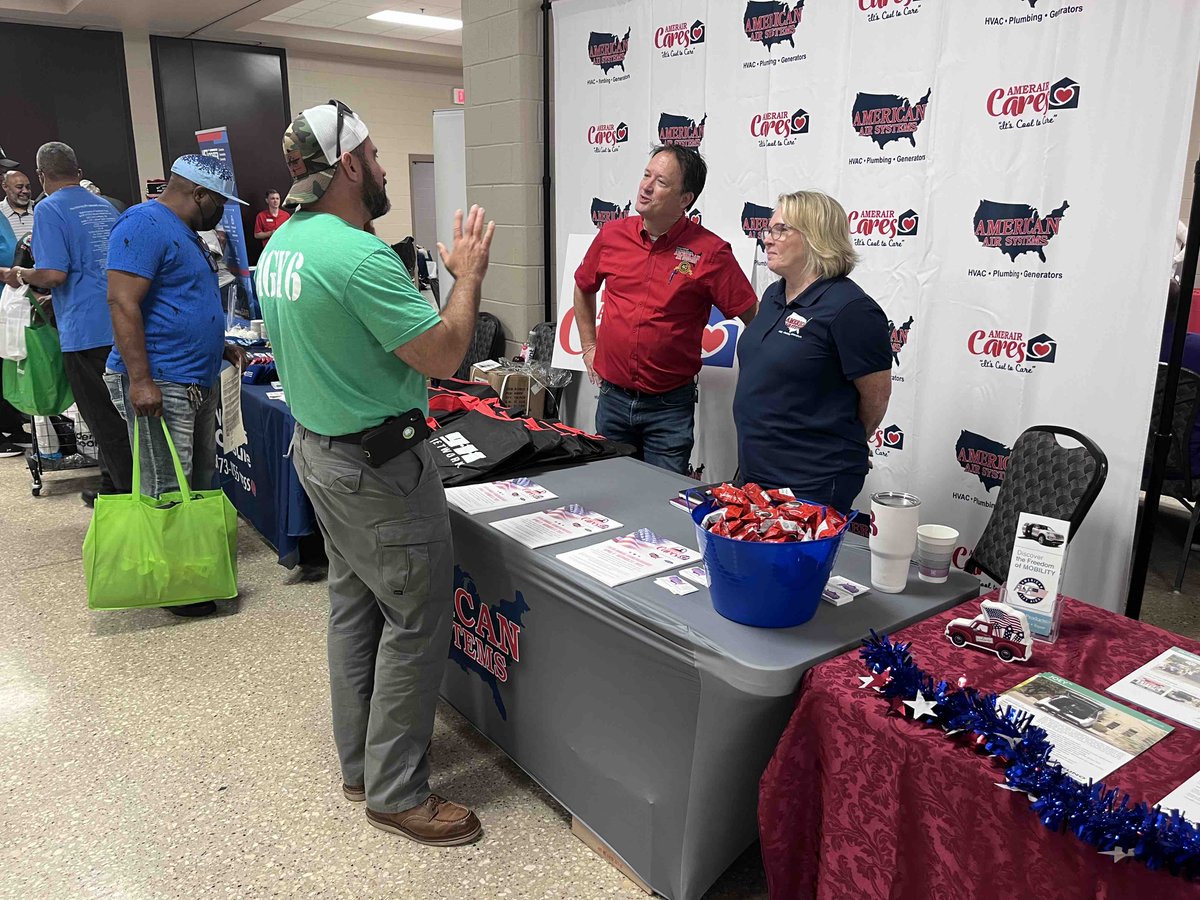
<point x="169" y="327"/>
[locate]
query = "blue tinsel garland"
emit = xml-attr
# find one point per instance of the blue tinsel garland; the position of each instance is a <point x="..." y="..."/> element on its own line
<point x="1104" y="817"/>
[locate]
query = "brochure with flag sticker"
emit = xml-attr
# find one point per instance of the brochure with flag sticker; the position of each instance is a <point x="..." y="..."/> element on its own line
<point x="553" y="526"/>
<point x="629" y="557"/>
<point x="479" y="498"/>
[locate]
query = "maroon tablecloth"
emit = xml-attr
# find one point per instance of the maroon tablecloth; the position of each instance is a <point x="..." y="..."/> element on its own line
<point x="859" y="803"/>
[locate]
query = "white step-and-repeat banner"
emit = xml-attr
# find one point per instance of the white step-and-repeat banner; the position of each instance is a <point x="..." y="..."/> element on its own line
<point x="1011" y="170"/>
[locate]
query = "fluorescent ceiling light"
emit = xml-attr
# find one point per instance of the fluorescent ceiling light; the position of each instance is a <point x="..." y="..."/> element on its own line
<point x="417" y="20"/>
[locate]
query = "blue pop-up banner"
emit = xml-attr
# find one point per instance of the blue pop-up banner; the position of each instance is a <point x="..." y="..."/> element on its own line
<point x="214" y="142"/>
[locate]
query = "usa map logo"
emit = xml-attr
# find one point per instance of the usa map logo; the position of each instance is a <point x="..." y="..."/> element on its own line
<point x="486" y="639"/>
<point x="604" y="212"/>
<point x="1017" y="228"/>
<point x="883" y="118"/>
<point x="676" y="129"/>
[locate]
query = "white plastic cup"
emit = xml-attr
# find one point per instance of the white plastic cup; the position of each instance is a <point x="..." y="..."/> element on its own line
<point x="894" y="519"/>
<point x="258" y="327"/>
<point x="935" y="550"/>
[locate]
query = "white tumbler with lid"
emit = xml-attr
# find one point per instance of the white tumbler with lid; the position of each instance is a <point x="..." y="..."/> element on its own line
<point x="895" y="516"/>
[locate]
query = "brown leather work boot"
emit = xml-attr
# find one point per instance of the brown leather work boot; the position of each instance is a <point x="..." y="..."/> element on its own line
<point x="437" y="822"/>
<point x="355" y="793"/>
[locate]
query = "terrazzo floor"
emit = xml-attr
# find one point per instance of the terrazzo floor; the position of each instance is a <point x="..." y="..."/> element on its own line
<point x="149" y="757"/>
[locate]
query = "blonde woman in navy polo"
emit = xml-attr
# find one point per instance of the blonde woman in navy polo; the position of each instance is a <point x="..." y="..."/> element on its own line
<point x="815" y="363"/>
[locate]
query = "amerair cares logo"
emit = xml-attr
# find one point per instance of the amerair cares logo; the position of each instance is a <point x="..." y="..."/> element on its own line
<point x="1011" y="351"/>
<point x="887" y="440"/>
<point x="882" y="227"/>
<point x="883" y="10"/>
<point x="604" y="212"/>
<point x="1031" y="105"/>
<point x="1013" y="229"/>
<point x="486" y="639"/>
<point x="883" y="118"/>
<point x="695" y="216"/>
<point x="676" y="129"/>
<point x="899" y="338"/>
<point x="779" y="128"/>
<point x="607" y="138"/>
<point x="678" y="39"/>
<point x="607" y="51"/>
<point x="770" y="22"/>
<point x="1033" y="17"/>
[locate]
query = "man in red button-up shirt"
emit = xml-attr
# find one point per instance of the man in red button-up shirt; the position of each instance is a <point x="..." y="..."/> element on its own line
<point x="662" y="274"/>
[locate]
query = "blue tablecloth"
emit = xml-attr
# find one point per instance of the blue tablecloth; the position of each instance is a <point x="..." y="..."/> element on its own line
<point x="261" y="481"/>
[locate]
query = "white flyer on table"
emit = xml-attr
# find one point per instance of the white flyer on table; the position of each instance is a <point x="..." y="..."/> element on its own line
<point x="1169" y="684"/>
<point x="233" y="432"/>
<point x="629" y="557"/>
<point x="478" y="498"/>
<point x="1185" y="798"/>
<point x="553" y="526"/>
<point x="1092" y="735"/>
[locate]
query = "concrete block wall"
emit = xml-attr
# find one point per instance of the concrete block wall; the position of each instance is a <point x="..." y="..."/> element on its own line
<point x="396" y="102"/>
<point x="502" y="70"/>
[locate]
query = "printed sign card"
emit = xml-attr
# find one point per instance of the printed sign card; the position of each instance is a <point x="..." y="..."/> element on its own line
<point x="1039" y="554"/>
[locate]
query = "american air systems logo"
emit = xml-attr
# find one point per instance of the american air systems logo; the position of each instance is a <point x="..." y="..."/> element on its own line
<point x="607" y="50"/>
<point x="486" y="639"/>
<point x="675" y="129"/>
<point x="754" y="219"/>
<point x="982" y="457"/>
<point x="1016" y="228"/>
<point x="769" y="22"/>
<point x="604" y="212"/>
<point x="888" y="117"/>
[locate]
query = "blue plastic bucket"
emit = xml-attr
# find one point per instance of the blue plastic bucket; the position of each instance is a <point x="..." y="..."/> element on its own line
<point x="765" y="585"/>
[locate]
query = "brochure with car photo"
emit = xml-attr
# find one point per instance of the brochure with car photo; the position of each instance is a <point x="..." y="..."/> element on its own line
<point x="1038" y="558"/>
<point x="1092" y="735"/>
<point x="1169" y="684"/>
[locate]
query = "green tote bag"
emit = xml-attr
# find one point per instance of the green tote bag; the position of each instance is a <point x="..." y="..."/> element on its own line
<point x="179" y="548"/>
<point x="37" y="385"/>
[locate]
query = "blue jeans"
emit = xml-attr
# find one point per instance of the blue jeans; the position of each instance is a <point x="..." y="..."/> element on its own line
<point x="193" y="430"/>
<point x="660" y="426"/>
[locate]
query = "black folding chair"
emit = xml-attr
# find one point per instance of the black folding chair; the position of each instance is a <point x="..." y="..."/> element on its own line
<point x="1044" y="478"/>
<point x="1181" y="481"/>
<point x="488" y="343"/>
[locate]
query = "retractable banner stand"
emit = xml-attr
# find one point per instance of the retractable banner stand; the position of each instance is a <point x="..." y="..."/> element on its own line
<point x="1011" y="171"/>
<point x="214" y="142"/>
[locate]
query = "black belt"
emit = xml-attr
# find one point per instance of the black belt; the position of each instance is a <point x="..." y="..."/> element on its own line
<point x="638" y="395"/>
<point x="355" y="438"/>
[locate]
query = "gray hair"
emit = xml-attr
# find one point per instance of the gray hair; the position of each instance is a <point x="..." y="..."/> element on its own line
<point x="57" y="160"/>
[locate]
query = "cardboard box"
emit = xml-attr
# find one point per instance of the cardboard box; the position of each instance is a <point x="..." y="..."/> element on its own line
<point x="516" y="389"/>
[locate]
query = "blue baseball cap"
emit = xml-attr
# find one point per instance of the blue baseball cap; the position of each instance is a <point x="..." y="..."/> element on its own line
<point x="208" y="173"/>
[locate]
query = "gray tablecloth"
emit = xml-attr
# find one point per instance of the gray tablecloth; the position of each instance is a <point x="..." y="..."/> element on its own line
<point x="646" y="714"/>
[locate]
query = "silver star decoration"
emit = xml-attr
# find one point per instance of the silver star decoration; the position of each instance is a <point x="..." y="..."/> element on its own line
<point x="865" y="680"/>
<point x="1117" y="853"/>
<point x="920" y="706"/>
<point x="1008" y="787"/>
<point x="1012" y="741"/>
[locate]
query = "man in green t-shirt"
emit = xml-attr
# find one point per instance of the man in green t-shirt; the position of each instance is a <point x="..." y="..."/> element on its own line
<point x="353" y="341"/>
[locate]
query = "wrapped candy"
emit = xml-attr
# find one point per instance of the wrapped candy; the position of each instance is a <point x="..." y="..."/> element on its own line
<point x="750" y="513"/>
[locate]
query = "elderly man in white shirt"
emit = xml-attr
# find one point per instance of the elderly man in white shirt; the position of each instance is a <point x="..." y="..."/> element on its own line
<point x="16" y="205"/>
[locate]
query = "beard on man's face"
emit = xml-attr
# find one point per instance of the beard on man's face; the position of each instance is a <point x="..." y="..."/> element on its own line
<point x="374" y="195"/>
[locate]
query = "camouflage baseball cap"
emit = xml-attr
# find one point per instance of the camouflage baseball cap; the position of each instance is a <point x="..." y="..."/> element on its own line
<point x="310" y="148"/>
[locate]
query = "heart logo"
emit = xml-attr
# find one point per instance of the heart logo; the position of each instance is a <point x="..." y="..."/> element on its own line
<point x="1064" y="95"/>
<point x="713" y="340"/>
<point x="622" y="133"/>
<point x="1040" y="350"/>
<point x="698" y="32"/>
<point x="799" y="122"/>
<point x="908" y="223"/>
<point x="892" y="437"/>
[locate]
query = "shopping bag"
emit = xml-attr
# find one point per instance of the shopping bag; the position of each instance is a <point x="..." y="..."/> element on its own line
<point x="37" y="385"/>
<point x="14" y="319"/>
<point x="179" y="548"/>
